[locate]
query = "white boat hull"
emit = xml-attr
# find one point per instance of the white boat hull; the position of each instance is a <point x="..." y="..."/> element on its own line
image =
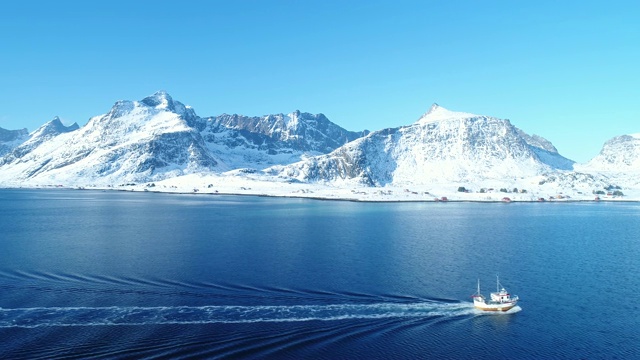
<point x="494" y="307"/>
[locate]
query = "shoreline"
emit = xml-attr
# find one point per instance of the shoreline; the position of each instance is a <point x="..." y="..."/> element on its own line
<point x="373" y="199"/>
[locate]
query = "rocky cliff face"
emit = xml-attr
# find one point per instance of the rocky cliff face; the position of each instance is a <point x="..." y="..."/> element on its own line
<point x="259" y="142"/>
<point x="9" y="139"/>
<point x="296" y="131"/>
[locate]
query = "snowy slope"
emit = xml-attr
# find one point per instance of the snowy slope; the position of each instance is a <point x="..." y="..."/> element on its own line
<point x="41" y="135"/>
<point x="618" y="162"/>
<point x="442" y="146"/>
<point x="9" y="139"/>
<point x="158" y="137"/>
<point x="620" y="154"/>
<point x="149" y="139"/>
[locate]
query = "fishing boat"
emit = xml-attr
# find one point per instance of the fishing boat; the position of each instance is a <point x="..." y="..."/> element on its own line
<point x="500" y="300"/>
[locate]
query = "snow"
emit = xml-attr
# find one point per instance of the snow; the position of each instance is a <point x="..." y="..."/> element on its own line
<point x="620" y="154"/>
<point x="457" y="147"/>
<point x="154" y="144"/>
<point x="110" y="146"/>
<point x="438" y="113"/>
<point x="10" y="139"/>
<point x="251" y="183"/>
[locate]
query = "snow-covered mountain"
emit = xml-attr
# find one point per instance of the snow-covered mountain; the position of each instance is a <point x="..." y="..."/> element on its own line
<point x="620" y="154"/>
<point x="260" y="142"/>
<point x="442" y="146"/>
<point x="44" y="133"/>
<point x="134" y="141"/>
<point x="295" y="131"/>
<point x="9" y="139"/>
<point x="157" y="138"/>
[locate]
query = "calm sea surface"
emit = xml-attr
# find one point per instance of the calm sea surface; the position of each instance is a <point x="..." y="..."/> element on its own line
<point x="93" y="274"/>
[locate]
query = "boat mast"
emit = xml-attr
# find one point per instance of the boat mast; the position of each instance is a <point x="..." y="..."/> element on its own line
<point x="497" y="283"/>
<point x="478" y="286"/>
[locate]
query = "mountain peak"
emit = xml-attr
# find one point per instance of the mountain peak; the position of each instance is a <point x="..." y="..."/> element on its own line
<point x="57" y="123"/>
<point x="54" y="127"/>
<point x="160" y="99"/>
<point x="438" y="113"/>
<point x="53" y="123"/>
<point x="434" y="107"/>
<point x="619" y="154"/>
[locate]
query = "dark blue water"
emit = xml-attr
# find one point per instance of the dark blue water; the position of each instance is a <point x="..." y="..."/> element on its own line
<point x="134" y="275"/>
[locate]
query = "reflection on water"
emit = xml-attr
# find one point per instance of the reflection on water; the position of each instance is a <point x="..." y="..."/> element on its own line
<point x="115" y="274"/>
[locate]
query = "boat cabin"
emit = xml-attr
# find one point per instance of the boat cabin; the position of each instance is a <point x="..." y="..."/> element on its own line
<point x="501" y="296"/>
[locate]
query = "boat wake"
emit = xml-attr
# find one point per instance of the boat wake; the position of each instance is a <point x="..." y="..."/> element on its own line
<point x="104" y="316"/>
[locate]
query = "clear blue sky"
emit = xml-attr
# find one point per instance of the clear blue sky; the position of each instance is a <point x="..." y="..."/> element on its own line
<point x="566" y="70"/>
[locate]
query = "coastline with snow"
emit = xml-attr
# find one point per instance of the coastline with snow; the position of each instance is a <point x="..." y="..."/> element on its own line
<point x="159" y="144"/>
<point x="212" y="184"/>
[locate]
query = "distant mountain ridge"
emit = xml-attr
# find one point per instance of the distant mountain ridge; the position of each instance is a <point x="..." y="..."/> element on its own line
<point x="158" y="137"/>
<point x="619" y="154"/>
<point x="131" y="141"/>
<point x="297" y="130"/>
<point x="442" y="146"/>
<point x="263" y="141"/>
<point x="9" y="139"/>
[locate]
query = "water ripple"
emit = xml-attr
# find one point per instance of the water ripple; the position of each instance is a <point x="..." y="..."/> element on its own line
<point x="93" y="316"/>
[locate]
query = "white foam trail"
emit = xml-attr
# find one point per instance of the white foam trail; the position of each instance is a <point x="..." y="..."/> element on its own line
<point x="92" y="316"/>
